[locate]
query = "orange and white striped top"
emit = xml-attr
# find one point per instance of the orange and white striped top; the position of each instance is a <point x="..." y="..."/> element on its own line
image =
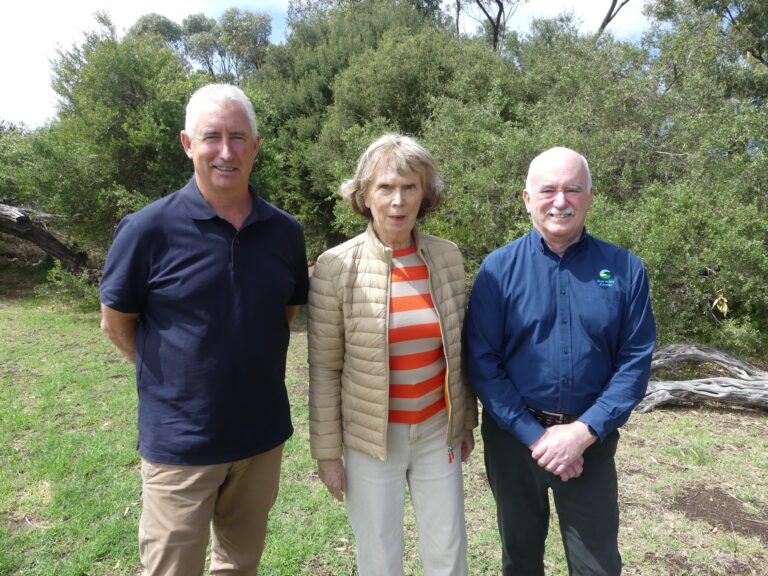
<point x="417" y="367"/>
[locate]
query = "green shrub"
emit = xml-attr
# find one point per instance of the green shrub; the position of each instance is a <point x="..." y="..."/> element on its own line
<point x="76" y="291"/>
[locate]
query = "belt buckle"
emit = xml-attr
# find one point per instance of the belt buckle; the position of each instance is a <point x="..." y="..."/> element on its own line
<point x="554" y="417"/>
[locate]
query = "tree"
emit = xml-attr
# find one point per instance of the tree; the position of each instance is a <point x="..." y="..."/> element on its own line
<point x="14" y="155"/>
<point x="297" y="81"/>
<point x="230" y="49"/>
<point x="245" y="36"/>
<point x="115" y="143"/>
<point x="398" y="79"/>
<point x="203" y="47"/>
<point x="743" y="22"/>
<point x="17" y="223"/>
<point x="155" y="24"/>
<point x="492" y="15"/>
<point x="301" y="11"/>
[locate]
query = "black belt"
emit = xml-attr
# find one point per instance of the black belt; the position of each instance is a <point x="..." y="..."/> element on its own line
<point x="548" y="419"/>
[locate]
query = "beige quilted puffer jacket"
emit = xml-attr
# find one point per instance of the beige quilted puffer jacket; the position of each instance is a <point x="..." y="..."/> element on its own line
<point x="348" y="350"/>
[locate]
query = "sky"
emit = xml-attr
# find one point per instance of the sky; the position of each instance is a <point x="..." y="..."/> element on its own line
<point x="34" y="30"/>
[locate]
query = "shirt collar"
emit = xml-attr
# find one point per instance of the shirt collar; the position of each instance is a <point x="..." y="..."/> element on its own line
<point x="540" y="245"/>
<point x="199" y="209"/>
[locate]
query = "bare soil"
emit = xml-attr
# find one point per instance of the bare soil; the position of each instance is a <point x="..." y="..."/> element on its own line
<point x="721" y="511"/>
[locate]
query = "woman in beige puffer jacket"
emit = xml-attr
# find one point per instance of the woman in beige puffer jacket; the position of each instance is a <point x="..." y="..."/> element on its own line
<point x="388" y="398"/>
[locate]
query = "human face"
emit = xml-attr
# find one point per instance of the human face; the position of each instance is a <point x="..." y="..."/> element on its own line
<point x="222" y="150"/>
<point x="394" y="200"/>
<point x="558" y="197"/>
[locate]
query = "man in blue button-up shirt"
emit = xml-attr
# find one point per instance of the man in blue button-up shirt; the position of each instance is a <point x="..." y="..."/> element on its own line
<point x="559" y="339"/>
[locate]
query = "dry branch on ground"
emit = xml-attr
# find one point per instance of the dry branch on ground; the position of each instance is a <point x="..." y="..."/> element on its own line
<point x="745" y="384"/>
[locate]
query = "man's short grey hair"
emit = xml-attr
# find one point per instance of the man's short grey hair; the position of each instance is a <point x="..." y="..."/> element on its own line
<point x="405" y="155"/>
<point x="218" y="94"/>
<point x="543" y="158"/>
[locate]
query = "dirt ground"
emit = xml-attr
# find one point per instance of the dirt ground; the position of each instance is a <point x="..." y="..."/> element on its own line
<point x="722" y="511"/>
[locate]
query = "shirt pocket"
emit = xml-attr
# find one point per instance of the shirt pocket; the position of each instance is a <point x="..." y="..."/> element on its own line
<point x="599" y="311"/>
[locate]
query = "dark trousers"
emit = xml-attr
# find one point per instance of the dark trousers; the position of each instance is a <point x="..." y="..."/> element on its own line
<point x="587" y="506"/>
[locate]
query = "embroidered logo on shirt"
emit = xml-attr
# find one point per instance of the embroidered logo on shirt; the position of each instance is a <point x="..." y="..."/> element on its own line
<point x="605" y="279"/>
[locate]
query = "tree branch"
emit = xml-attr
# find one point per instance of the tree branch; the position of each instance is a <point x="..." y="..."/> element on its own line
<point x="17" y="223"/>
<point x="610" y="15"/>
<point x="747" y="385"/>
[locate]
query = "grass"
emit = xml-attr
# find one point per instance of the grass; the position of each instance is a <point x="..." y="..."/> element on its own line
<point x="70" y="485"/>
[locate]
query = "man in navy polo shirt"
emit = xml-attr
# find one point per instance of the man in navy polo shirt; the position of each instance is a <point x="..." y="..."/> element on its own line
<point x="198" y="290"/>
<point x="559" y="338"/>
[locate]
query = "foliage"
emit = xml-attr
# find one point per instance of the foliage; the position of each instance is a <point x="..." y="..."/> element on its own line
<point x="298" y="79"/>
<point x="744" y="23"/>
<point x="160" y="26"/>
<point x="687" y="277"/>
<point x="14" y="156"/>
<point x="484" y="167"/>
<point x="74" y="291"/>
<point x="115" y="142"/>
<point x="228" y="50"/>
<point x="398" y="79"/>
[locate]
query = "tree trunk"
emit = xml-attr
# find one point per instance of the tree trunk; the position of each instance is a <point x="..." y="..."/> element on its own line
<point x="16" y="223"/>
<point x="610" y="15"/>
<point x="745" y="384"/>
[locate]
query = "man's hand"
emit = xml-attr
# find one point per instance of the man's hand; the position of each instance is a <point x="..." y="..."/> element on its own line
<point x="467" y="445"/>
<point x="332" y="474"/>
<point x="559" y="450"/>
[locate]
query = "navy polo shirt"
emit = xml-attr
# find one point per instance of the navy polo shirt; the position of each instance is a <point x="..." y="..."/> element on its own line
<point x="212" y="337"/>
<point x="571" y="335"/>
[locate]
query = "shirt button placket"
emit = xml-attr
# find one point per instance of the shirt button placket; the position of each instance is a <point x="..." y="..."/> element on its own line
<point x="564" y="315"/>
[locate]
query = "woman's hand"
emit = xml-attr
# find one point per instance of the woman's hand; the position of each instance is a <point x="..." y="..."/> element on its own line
<point x="331" y="472"/>
<point x="467" y="445"/>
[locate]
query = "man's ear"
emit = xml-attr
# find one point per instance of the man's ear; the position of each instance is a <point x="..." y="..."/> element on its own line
<point x="526" y="199"/>
<point x="186" y="142"/>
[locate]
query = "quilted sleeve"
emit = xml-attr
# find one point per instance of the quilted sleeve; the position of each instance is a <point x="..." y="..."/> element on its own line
<point x="325" y="334"/>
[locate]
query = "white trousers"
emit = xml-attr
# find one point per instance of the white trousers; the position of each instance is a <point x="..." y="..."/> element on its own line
<point x="417" y="455"/>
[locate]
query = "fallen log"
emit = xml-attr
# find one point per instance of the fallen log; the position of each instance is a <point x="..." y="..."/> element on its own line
<point x="17" y="223"/>
<point x="745" y="384"/>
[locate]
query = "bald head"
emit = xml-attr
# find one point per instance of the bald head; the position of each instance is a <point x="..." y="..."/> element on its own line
<point x="555" y="157"/>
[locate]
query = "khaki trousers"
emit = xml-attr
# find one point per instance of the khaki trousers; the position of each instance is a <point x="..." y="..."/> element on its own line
<point x="182" y="505"/>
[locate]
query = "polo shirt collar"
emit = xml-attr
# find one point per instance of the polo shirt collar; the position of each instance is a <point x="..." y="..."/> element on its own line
<point x="199" y="209"/>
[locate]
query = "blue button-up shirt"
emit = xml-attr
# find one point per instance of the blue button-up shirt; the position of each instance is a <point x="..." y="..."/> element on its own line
<point x="571" y="335"/>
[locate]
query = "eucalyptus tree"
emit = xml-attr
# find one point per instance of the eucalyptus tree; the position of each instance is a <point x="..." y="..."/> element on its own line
<point x="161" y="26"/>
<point x="229" y="49"/>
